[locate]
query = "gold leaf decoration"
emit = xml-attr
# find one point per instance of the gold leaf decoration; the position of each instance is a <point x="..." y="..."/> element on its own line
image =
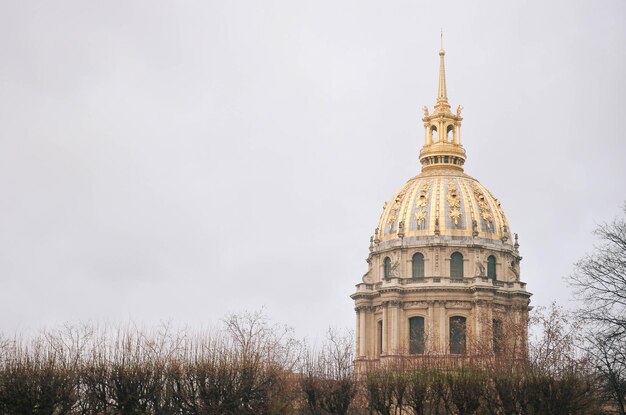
<point x="422" y="201"/>
<point x="483" y="206"/>
<point x="454" y="201"/>
<point x="395" y="208"/>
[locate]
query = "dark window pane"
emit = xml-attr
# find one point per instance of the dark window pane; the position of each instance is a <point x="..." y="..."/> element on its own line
<point x="380" y="337"/>
<point x="387" y="267"/>
<point x="456" y="266"/>
<point x="497" y="336"/>
<point x="418" y="265"/>
<point x="457" y="335"/>
<point x="491" y="267"/>
<point x="416" y="335"/>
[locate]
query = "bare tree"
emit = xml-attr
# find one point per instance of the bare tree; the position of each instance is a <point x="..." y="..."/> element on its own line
<point x="327" y="377"/>
<point x="599" y="281"/>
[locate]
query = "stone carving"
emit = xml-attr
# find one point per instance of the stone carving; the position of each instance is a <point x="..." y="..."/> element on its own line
<point x="437" y="231"/>
<point x="458" y="110"/>
<point x="415" y="304"/>
<point x="499" y="308"/>
<point x="395" y="266"/>
<point x="425" y="109"/>
<point x="458" y="304"/>
<point x="401" y="229"/>
<point x="505" y="233"/>
<point x="480" y="268"/>
<point x="420" y="217"/>
<point x="474" y="228"/>
<point x="514" y="268"/>
<point x="516" y="246"/>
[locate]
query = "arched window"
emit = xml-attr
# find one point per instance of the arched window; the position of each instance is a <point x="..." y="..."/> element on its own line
<point x="433" y="132"/>
<point x="450" y="133"/>
<point x="418" y="266"/>
<point x="497" y="336"/>
<point x="456" y="266"/>
<point x="457" y="335"/>
<point x="380" y="336"/>
<point x="387" y="267"/>
<point x="416" y="335"/>
<point x="491" y="267"/>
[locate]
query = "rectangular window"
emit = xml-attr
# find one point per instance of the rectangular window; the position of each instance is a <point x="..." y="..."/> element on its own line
<point x="416" y="335"/>
<point x="380" y="337"/>
<point x="497" y="336"/>
<point x="457" y="335"/>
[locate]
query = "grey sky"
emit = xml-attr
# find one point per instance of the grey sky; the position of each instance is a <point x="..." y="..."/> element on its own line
<point x="182" y="160"/>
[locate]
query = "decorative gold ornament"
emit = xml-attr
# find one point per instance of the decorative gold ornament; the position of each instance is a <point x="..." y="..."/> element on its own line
<point x="483" y="206"/>
<point x="454" y="202"/>
<point x="395" y="208"/>
<point x="422" y="201"/>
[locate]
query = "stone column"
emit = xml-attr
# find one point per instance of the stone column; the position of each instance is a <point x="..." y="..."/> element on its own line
<point x="393" y="349"/>
<point x="442" y="327"/>
<point x="430" y="328"/>
<point x="362" y="332"/>
<point x="385" y="333"/>
<point x="358" y="331"/>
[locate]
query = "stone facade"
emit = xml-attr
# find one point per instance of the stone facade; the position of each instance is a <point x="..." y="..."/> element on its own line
<point x="443" y="270"/>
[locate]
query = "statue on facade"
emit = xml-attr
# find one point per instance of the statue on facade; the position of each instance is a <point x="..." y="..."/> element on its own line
<point x="401" y="229"/>
<point x="395" y="266"/>
<point x="479" y="267"/>
<point x="458" y="110"/>
<point x="514" y="270"/>
<point x="425" y="109"/>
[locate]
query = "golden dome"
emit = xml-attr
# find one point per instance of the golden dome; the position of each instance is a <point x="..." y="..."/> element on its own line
<point x="443" y="202"/>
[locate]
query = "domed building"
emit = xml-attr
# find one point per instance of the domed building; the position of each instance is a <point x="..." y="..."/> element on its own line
<point x="443" y="269"/>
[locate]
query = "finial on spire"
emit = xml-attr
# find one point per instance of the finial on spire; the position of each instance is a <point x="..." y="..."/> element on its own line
<point x="442" y="39"/>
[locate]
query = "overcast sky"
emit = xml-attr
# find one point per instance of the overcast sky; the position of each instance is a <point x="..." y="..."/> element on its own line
<point x="187" y="159"/>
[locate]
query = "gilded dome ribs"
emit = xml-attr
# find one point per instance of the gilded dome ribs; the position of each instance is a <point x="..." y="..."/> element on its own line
<point x="437" y="230"/>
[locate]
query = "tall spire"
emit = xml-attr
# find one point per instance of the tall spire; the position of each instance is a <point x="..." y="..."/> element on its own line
<point x="442" y="94"/>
